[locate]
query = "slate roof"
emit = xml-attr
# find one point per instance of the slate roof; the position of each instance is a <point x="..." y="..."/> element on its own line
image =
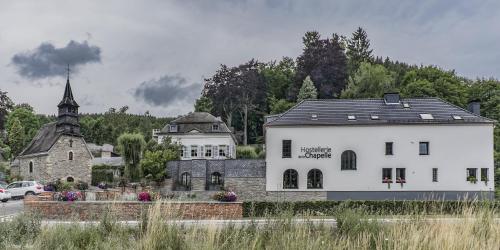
<point x="336" y="111"/>
<point x="43" y="141"/>
<point x="68" y="97"/>
<point x="198" y="121"/>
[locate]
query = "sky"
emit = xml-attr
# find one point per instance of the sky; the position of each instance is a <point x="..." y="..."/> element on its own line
<point x="153" y="55"/>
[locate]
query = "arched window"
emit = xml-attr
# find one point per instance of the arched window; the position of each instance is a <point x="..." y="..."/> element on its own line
<point x="216" y="178"/>
<point x="70" y="156"/>
<point x="186" y="179"/>
<point x="70" y="179"/>
<point x="31" y="167"/>
<point x="348" y="160"/>
<point x="315" y="179"/>
<point x="290" y="179"/>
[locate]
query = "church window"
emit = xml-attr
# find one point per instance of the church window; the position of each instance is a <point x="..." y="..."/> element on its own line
<point x="70" y="156"/>
<point x="31" y="167"/>
<point x="70" y="143"/>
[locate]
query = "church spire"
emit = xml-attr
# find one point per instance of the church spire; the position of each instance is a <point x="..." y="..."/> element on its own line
<point x="67" y="119"/>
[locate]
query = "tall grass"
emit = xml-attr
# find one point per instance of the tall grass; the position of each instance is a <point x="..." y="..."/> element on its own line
<point x="473" y="227"/>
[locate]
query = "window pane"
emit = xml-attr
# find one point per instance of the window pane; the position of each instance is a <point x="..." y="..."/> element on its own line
<point x="434" y="174"/>
<point x="388" y="148"/>
<point x="287" y="149"/>
<point x="424" y="148"/>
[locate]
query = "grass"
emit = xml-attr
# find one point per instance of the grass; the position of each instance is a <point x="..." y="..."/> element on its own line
<point x="474" y="227"/>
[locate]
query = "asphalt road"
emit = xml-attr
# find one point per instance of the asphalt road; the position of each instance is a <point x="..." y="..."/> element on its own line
<point x="10" y="208"/>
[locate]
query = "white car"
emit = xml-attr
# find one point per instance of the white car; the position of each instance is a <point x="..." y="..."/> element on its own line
<point x="22" y="188"/>
<point x="4" y="194"/>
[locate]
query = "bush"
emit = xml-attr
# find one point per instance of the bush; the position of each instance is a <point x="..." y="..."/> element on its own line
<point x="246" y="152"/>
<point x="81" y="185"/>
<point x="63" y="186"/>
<point x="102" y="173"/>
<point x="225" y="196"/>
<point x="331" y="208"/>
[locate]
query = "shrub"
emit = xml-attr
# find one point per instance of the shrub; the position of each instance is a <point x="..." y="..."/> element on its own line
<point x="102" y="173"/>
<point x="225" y="196"/>
<point x="246" y="152"/>
<point x="81" y="185"/>
<point x="63" y="186"/>
<point x="144" y="196"/>
<point x="68" y="196"/>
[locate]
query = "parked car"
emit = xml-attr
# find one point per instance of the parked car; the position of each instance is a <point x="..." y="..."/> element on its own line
<point x="22" y="188"/>
<point x="4" y="193"/>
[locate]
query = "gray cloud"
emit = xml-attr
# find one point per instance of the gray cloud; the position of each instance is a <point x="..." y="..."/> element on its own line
<point x="48" y="61"/>
<point x="167" y="90"/>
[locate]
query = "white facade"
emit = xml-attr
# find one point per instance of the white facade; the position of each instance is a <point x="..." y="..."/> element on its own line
<point x="196" y="145"/>
<point x="453" y="148"/>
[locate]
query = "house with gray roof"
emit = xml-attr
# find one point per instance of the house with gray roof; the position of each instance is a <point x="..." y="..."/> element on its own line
<point x="58" y="151"/>
<point x="386" y="148"/>
<point x="201" y="136"/>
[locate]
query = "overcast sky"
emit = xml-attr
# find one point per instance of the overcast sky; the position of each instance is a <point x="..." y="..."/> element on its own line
<point x="153" y="55"/>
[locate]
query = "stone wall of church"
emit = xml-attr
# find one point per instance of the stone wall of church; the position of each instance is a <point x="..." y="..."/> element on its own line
<point x="56" y="163"/>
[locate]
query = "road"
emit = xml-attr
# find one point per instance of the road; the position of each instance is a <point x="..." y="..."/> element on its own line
<point x="10" y="208"/>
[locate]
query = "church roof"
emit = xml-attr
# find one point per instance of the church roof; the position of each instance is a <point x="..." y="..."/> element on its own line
<point x="43" y="141"/>
<point x="68" y="96"/>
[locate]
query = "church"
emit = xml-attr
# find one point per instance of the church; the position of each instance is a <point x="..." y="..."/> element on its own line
<point x="58" y="151"/>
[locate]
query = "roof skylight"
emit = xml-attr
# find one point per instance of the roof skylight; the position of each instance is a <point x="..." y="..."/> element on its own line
<point x="457" y="117"/>
<point x="426" y="116"/>
<point x="406" y="105"/>
<point x="314" y="117"/>
<point x="351" y="117"/>
<point x="375" y="117"/>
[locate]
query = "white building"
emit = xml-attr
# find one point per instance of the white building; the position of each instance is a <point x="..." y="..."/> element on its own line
<point x="202" y="136"/>
<point x="381" y="149"/>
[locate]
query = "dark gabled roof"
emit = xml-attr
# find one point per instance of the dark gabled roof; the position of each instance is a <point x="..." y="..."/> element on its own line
<point x="68" y="96"/>
<point x="43" y="141"/>
<point x="197" y="121"/>
<point x="336" y="111"/>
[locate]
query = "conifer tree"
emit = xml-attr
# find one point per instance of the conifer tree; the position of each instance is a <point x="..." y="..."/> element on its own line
<point x="358" y="50"/>
<point x="16" y="137"/>
<point x="308" y="90"/>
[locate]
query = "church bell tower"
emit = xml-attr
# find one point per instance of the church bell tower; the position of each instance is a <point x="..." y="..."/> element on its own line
<point x="67" y="119"/>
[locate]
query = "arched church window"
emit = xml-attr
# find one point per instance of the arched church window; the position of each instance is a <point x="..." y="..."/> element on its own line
<point x="70" y="155"/>
<point x="31" y="167"/>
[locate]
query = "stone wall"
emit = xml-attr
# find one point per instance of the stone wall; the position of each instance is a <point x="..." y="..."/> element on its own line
<point x="131" y="210"/>
<point x="247" y="178"/>
<point x="55" y="163"/>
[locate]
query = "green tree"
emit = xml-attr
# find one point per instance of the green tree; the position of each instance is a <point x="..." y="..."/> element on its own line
<point x="358" y="50"/>
<point x="370" y="80"/>
<point x="131" y="147"/>
<point x="28" y="120"/>
<point x="307" y="91"/>
<point x="279" y="106"/>
<point x="279" y="77"/>
<point x="203" y="104"/>
<point x="6" y="105"/>
<point x="16" y="136"/>
<point x="156" y="157"/>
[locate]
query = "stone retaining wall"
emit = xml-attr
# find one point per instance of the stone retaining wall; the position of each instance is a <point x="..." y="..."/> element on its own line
<point x="131" y="210"/>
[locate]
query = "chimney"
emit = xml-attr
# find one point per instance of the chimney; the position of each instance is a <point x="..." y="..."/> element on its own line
<point x="391" y="98"/>
<point x="474" y="107"/>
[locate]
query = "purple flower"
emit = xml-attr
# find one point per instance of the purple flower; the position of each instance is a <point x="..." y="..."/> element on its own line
<point x="144" y="196"/>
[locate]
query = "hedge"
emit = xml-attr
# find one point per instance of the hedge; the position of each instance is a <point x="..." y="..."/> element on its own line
<point x="330" y="208"/>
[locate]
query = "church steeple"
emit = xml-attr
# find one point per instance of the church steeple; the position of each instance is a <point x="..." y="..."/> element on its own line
<point x="67" y="119"/>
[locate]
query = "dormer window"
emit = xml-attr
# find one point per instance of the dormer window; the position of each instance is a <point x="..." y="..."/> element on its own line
<point x="426" y="116"/>
<point x="351" y="117"/>
<point x="391" y="98"/>
<point x="215" y="127"/>
<point x="173" y="128"/>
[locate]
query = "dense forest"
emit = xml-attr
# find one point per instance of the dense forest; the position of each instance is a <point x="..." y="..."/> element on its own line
<point x="336" y="66"/>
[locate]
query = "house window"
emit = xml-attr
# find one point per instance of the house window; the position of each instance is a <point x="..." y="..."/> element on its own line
<point x="472" y="174"/>
<point x="400" y="175"/>
<point x="70" y="143"/>
<point x="215" y="127"/>
<point x="290" y="179"/>
<point x="348" y="160"/>
<point x="386" y="175"/>
<point x="434" y="175"/>
<point x="314" y="179"/>
<point x="222" y="150"/>
<point x="484" y="174"/>
<point x="70" y="156"/>
<point x="185" y="179"/>
<point x="173" y="128"/>
<point x="194" y="151"/>
<point x="423" y="148"/>
<point x="286" y="149"/>
<point x="388" y="148"/>
<point x="216" y="178"/>
<point x="208" y="151"/>
<point x="31" y="167"/>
